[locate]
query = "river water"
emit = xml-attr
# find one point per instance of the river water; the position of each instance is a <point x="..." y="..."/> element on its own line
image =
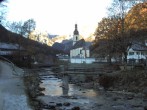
<point x="58" y="87"/>
<point x="58" y="90"/>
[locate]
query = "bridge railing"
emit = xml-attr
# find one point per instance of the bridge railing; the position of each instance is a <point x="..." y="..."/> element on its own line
<point x="79" y="69"/>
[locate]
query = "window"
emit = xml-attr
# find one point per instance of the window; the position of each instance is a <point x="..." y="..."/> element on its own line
<point x="131" y="53"/>
<point x="142" y="53"/>
<point x="138" y="53"/>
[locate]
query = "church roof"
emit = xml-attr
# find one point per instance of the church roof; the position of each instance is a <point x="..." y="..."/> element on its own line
<point x="80" y="43"/>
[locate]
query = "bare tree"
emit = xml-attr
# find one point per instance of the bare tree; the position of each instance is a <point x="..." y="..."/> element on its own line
<point x="22" y="28"/>
<point x="28" y="27"/>
<point x="119" y="7"/>
<point x="15" y="27"/>
<point x="3" y="10"/>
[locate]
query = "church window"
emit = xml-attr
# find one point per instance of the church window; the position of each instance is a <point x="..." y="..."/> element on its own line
<point x="76" y="37"/>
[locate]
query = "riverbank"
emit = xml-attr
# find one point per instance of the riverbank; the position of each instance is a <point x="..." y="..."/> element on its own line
<point x="122" y="90"/>
<point x="32" y="81"/>
<point x="111" y="97"/>
<point x="12" y="89"/>
<point x="134" y="81"/>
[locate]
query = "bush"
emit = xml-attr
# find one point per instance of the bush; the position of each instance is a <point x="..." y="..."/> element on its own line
<point x="107" y="80"/>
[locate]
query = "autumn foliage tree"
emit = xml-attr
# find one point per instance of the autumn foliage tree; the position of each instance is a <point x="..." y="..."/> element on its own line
<point x="136" y="21"/>
<point x="119" y="32"/>
<point x="105" y="33"/>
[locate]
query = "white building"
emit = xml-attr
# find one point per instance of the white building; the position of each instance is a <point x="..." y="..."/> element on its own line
<point x="9" y="49"/>
<point x="80" y="52"/>
<point x="137" y="53"/>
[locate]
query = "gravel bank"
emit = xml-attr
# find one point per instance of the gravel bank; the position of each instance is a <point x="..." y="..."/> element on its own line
<point x="12" y="90"/>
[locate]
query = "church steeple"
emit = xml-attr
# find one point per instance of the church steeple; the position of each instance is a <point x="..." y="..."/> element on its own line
<point x="75" y="34"/>
<point x="76" y="30"/>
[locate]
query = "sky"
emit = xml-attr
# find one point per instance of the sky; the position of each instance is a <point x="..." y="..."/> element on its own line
<point x="59" y="16"/>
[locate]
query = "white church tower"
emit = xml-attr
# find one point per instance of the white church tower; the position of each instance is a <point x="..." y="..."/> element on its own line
<point x="80" y="52"/>
<point x="75" y="35"/>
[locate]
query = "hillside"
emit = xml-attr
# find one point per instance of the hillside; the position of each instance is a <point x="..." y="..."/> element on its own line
<point x="65" y="46"/>
<point x="40" y="51"/>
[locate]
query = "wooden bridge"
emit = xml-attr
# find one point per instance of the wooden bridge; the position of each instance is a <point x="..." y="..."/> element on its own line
<point x="84" y="69"/>
<point x="76" y="69"/>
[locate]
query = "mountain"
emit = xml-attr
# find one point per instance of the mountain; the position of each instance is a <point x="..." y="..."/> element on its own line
<point x="58" y="42"/>
<point x="68" y="45"/>
<point x="45" y="38"/>
<point x="58" y="46"/>
<point x="50" y="36"/>
<point x="90" y="38"/>
<point x="59" y="38"/>
<point x="41" y="37"/>
<point x="65" y="46"/>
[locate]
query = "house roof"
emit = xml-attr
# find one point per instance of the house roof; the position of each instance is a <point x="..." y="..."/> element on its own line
<point x="6" y="46"/>
<point x="139" y="47"/>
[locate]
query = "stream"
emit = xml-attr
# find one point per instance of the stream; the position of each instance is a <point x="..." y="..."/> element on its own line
<point x="61" y="87"/>
<point x="62" y="95"/>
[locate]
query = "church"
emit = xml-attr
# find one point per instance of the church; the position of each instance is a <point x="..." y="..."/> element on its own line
<point x="80" y="52"/>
